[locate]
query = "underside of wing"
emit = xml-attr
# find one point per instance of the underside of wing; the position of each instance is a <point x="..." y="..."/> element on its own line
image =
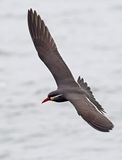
<point x="87" y="91"/>
<point x="89" y="113"/>
<point x="47" y="49"/>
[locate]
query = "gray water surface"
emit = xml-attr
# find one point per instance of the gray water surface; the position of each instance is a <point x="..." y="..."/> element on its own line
<point x="89" y="37"/>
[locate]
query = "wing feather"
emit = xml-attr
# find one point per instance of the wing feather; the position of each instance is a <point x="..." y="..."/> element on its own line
<point x="87" y="91"/>
<point x="89" y="113"/>
<point x="47" y="49"/>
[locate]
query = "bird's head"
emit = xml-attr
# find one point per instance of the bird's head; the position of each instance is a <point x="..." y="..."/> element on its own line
<point x="54" y="97"/>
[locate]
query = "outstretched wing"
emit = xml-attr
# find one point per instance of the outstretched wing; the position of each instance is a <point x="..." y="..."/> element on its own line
<point x="87" y="91"/>
<point x="47" y="49"/>
<point x="89" y="113"/>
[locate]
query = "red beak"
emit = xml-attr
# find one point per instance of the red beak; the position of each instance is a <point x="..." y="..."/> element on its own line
<point x="45" y="100"/>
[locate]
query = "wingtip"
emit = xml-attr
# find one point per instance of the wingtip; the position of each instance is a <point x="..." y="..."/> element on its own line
<point x="30" y="10"/>
<point x="78" y="79"/>
<point x="29" y="13"/>
<point x="101" y="128"/>
<point x="35" y="13"/>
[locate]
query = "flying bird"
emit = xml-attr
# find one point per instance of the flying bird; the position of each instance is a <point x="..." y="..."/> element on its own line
<point x="78" y="93"/>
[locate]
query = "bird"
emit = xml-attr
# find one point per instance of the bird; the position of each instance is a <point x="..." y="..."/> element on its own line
<point x="68" y="89"/>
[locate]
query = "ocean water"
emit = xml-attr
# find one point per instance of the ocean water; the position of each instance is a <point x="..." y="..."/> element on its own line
<point x="89" y="38"/>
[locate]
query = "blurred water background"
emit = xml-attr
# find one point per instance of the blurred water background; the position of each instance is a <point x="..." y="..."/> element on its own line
<point x="89" y="37"/>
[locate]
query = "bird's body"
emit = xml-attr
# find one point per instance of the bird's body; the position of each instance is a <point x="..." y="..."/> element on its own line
<point x="78" y="93"/>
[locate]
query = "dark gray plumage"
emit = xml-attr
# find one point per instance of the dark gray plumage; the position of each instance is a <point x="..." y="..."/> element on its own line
<point x="79" y="94"/>
<point x="87" y="90"/>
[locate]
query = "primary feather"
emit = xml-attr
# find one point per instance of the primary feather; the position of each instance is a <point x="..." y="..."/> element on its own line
<point x="47" y="49"/>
